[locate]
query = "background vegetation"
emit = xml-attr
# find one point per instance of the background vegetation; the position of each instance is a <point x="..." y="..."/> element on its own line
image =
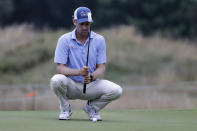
<point x="156" y="44"/>
<point x="176" y="17"/>
<point x="26" y="56"/>
<point x="148" y="43"/>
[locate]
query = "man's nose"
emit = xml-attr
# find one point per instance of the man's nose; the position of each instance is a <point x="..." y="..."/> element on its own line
<point x="85" y="27"/>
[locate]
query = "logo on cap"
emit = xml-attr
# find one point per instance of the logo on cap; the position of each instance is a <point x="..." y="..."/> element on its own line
<point x="83" y="14"/>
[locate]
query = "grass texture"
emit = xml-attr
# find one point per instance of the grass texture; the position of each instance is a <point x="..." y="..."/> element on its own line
<point x="113" y="120"/>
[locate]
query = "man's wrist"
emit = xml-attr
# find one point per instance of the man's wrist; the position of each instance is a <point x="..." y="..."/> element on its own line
<point x="91" y="78"/>
<point x="79" y="72"/>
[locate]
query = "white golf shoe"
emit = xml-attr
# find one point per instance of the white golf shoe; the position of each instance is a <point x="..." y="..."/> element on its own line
<point x="89" y="109"/>
<point x="65" y="115"/>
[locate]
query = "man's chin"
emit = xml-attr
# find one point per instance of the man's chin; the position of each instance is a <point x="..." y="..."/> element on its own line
<point x="84" y="33"/>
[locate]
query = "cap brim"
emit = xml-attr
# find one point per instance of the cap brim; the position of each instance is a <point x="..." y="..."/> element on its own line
<point x="84" y="20"/>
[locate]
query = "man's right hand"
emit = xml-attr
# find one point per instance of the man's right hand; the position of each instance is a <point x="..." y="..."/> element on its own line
<point x="84" y="71"/>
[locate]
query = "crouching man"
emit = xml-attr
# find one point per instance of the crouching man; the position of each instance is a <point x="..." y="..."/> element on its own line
<point x="70" y="58"/>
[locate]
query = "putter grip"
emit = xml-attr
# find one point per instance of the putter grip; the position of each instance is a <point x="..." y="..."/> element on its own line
<point x="84" y="88"/>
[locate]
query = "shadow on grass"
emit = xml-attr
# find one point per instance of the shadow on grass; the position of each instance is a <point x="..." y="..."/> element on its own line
<point x="87" y="120"/>
<point x="75" y="119"/>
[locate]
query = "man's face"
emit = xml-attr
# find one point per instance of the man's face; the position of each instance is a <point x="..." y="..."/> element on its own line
<point x="82" y="28"/>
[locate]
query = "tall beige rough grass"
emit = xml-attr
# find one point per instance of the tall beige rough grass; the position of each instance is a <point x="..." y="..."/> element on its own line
<point x="131" y="57"/>
<point x="153" y="59"/>
<point x="16" y="37"/>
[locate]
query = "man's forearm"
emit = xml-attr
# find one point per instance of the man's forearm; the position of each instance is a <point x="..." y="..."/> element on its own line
<point x="98" y="72"/>
<point x="62" y="69"/>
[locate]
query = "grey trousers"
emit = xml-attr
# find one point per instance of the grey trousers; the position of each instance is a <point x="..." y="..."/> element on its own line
<point x="99" y="92"/>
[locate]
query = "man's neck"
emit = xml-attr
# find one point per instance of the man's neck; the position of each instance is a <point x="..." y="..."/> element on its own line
<point x="81" y="38"/>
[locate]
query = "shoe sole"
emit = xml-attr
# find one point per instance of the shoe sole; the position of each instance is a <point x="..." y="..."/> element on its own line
<point x="97" y="120"/>
<point x="64" y="119"/>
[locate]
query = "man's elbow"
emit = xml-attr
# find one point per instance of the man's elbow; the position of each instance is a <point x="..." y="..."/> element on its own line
<point x="103" y="69"/>
<point x="59" y="68"/>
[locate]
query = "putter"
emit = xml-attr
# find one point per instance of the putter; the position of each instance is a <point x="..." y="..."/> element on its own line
<point x="84" y="85"/>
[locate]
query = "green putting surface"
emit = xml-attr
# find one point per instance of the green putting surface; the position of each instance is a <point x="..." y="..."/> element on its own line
<point x="113" y="120"/>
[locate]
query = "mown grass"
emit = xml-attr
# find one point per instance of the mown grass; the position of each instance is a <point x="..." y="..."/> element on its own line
<point x="113" y="120"/>
<point x="26" y="56"/>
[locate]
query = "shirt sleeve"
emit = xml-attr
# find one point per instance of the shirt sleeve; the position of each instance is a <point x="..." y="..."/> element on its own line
<point x="101" y="55"/>
<point x="61" y="52"/>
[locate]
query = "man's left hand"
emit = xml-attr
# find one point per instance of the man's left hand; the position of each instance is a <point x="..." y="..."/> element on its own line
<point x="87" y="79"/>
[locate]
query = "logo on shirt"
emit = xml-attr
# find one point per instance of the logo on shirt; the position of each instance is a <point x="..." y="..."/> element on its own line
<point x="71" y="47"/>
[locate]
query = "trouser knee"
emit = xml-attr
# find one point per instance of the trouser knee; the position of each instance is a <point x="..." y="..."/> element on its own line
<point x="117" y="93"/>
<point x="58" y="80"/>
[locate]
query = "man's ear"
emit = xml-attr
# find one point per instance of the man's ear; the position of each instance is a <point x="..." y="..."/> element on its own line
<point x="75" y="22"/>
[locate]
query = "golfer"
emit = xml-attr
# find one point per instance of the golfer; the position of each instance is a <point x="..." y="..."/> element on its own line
<point x="70" y="58"/>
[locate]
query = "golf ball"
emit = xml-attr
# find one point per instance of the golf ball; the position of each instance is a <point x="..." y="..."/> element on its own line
<point x="94" y="120"/>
